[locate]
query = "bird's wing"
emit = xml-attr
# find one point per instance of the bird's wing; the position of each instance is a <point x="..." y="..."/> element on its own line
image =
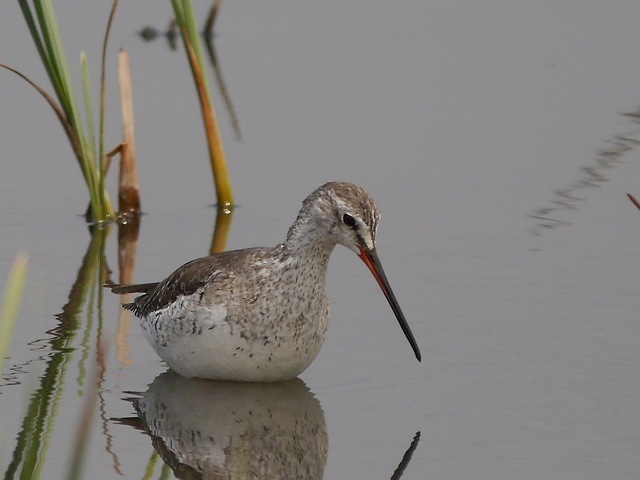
<point x="185" y="280"/>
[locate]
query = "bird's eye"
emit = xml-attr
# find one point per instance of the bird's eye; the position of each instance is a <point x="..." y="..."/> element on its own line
<point x="348" y="220"/>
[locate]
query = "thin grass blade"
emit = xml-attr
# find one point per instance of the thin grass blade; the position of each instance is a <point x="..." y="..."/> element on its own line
<point x="86" y="90"/>
<point x="11" y="303"/>
<point x="49" y="59"/>
<point x="51" y="34"/>
<point x="61" y="80"/>
<point x="187" y="25"/>
<point x="33" y="29"/>
<point x="194" y="39"/>
<point x="221" y="230"/>
<point x="103" y="80"/>
<point x="214" y="141"/>
<point x="52" y="64"/>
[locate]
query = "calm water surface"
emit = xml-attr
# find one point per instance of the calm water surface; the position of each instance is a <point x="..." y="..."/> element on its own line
<point x="494" y="139"/>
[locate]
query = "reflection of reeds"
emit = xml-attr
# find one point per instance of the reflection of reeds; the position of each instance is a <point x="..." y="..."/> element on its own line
<point x="221" y="230"/>
<point x="93" y="162"/>
<point x="185" y="21"/>
<point x="406" y="458"/>
<point x="81" y="440"/>
<point x="127" y="245"/>
<point x="41" y="412"/>
<point x="11" y="304"/>
<point x="593" y="174"/>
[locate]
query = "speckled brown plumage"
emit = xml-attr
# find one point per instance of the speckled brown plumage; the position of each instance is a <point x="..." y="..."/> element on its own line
<point x="261" y="314"/>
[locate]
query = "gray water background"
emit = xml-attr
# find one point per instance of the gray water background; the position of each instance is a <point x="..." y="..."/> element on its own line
<point x="463" y="120"/>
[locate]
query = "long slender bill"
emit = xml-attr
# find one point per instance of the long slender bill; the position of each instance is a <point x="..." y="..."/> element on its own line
<point x="371" y="260"/>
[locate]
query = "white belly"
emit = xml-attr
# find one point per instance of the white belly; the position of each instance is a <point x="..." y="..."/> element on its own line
<point x="198" y="341"/>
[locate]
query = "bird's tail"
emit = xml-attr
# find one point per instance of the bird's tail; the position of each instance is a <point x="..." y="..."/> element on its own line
<point x="133" y="288"/>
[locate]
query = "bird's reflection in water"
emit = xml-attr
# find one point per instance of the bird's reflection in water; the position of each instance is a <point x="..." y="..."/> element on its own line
<point x="209" y="430"/>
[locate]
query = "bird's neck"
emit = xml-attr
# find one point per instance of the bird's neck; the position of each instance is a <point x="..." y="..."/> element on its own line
<point x="308" y="238"/>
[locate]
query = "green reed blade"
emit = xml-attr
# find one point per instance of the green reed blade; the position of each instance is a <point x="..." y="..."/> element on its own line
<point x="186" y="19"/>
<point x="86" y="90"/>
<point x="56" y="65"/>
<point x="53" y="42"/>
<point x="188" y="30"/>
<point x="11" y="303"/>
<point x="55" y="70"/>
<point x="62" y="81"/>
<point x="33" y="29"/>
<point x="42" y="24"/>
